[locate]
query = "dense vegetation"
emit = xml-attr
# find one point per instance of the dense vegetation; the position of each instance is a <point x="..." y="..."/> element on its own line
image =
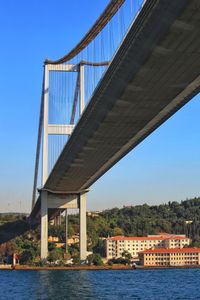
<point x="144" y="219"/>
<point x="174" y="217"/>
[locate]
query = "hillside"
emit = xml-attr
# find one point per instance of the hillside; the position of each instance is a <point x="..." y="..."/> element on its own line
<point x="139" y="220"/>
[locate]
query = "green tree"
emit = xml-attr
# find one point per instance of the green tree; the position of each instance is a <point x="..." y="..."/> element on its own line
<point x="126" y="254"/>
<point x="117" y="231"/>
<point x="76" y="260"/>
<point x="195" y="243"/>
<point x="54" y="255"/>
<point x="99" y="248"/>
<point x="95" y="259"/>
<point x="26" y="256"/>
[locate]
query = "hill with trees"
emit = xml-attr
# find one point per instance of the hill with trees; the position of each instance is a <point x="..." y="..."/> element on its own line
<point x="140" y="220"/>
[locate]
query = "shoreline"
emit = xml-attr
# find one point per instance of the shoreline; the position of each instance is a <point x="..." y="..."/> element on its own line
<point x="72" y="268"/>
<point x="92" y="268"/>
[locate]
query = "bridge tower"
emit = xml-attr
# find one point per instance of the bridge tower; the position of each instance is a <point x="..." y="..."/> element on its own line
<point x="54" y="200"/>
<point x="90" y="58"/>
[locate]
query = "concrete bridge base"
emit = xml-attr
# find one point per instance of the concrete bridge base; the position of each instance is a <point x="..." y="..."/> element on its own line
<point x="60" y="203"/>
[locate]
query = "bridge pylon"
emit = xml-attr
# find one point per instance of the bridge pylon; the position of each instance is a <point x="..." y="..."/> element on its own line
<point x="53" y="203"/>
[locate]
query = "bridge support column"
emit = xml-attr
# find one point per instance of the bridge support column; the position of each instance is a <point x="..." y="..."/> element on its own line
<point x="83" y="229"/>
<point x="57" y="220"/>
<point x="66" y="231"/>
<point x="44" y="225"/>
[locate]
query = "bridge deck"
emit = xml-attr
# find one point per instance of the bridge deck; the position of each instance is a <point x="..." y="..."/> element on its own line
<point x="153" y="74"/>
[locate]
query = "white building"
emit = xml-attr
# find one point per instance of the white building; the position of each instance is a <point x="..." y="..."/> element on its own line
<point x="116" y="245"/>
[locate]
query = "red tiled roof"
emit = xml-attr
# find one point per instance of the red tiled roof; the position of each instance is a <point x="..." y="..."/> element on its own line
<point x="165" y="234"/>
<point x="176" y="237"/>
<point x="144" y="238"/>
<point x="171" y="250"/>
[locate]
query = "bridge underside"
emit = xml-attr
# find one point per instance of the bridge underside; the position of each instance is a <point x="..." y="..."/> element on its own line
<point x="154" y="73"/>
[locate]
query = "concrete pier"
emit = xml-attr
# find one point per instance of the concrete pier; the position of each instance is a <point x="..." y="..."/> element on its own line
<point x="44" y="225"/>
<point x="83" y="227"/>
<point x="66" y="230"/>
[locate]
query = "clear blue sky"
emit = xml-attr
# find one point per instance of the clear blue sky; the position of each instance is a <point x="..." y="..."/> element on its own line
<point x="165" y="167"/>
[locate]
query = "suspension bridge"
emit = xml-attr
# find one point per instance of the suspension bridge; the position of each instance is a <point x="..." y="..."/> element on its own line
<point x="137" y="65"/>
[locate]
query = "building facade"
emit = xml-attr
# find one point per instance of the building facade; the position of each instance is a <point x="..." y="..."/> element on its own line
<point x="116" y="245"/>
<point x="170" y="257"/>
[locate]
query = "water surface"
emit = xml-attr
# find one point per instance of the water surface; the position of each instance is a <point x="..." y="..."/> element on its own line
<point x="128" y="284"/>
